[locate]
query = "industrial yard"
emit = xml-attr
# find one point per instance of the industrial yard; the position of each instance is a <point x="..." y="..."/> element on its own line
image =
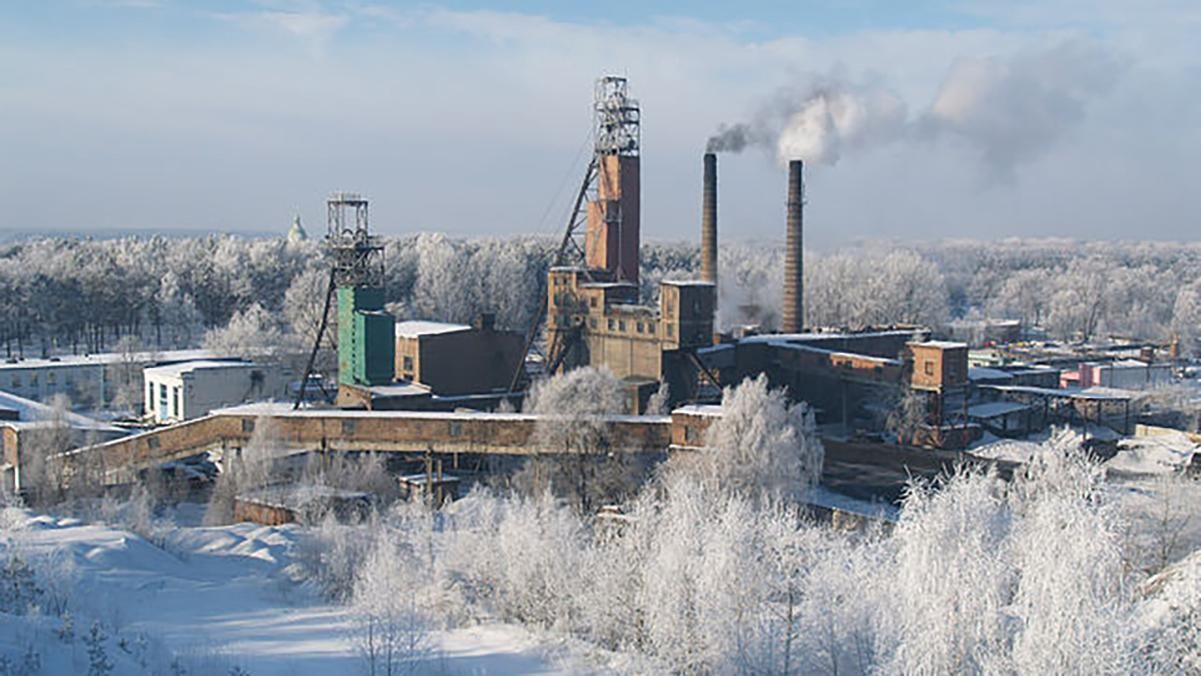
<point x="807" y="364"/>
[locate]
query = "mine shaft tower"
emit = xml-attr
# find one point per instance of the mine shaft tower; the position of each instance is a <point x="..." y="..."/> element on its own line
<point x="366" y="332"/>
<point x="614" y="214"/>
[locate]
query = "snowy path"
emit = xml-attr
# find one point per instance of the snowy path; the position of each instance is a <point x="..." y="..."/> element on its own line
<point x="224" y="594"/>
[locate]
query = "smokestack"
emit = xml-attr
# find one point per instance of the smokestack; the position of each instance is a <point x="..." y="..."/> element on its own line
<point x="709" y="220"/>
<point x="794" y="266"/>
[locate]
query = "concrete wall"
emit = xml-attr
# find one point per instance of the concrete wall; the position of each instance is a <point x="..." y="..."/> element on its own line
<point x="479" y="433"/>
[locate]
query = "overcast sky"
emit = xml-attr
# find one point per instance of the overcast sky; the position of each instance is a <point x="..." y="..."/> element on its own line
<point x="932" y="119"/>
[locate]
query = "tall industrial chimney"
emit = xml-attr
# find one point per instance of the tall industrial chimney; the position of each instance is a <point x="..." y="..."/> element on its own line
<point x="709" y="220"/>
<point x="794" y="266"/>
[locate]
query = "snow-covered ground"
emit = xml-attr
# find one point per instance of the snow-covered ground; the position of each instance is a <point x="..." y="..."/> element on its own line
<point x="209" y="600"/>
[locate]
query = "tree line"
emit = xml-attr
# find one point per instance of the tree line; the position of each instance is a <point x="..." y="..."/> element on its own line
<point x="68" y="296"/>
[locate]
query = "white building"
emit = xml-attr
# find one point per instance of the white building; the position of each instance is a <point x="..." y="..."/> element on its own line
<point x="177" y="392"/>
<point x="89" y="381"/>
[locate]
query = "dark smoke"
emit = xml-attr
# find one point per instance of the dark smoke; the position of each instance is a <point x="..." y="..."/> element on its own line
<point x="729" y="139"/>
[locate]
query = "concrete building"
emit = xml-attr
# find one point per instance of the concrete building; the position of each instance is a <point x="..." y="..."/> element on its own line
<point x="1127" y="374"/>
<point x="24" y="422"/>
<point x="187" y="390"/>
<point x="455" y="359"/>
<point x="594" y="322"/>
<point x="88" y="381"/>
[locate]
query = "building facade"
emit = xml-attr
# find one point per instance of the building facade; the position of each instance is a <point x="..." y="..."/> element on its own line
<point x="187" y="390"/>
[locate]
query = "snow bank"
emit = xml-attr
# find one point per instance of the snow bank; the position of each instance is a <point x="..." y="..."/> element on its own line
<point x="1153" y="455"/>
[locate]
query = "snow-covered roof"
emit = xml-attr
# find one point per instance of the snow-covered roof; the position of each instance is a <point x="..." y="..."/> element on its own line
<point x="686" y="282"/>
<point x="994" y="409"/>
<point x="838" y="353"/>
<point x="108" y="358"/>
<point x="415" y="328"/>
<point x="177" y="370"/>
<point x="980" y="373"/>
<point x="399" y="389"/>
<point x="940" y="344"/>
<point x="815" y="335"/>
<point x="1106" y="393"/>
<point x="284" y="410"/>
<point x="35" y="414"/>
<point x="703" y="410"/>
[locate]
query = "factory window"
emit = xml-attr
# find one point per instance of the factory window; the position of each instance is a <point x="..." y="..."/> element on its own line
<point x="929" y="368"/>
<point x="611" y="327"/>
<point x="408" y="363"/>
<point x="247" y="425"/>
<point x="456" y="428"/>
<point x="348" y="428"/>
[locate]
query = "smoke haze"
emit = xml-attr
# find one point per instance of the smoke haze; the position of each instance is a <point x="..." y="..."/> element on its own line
<point x="1006" y="112"/>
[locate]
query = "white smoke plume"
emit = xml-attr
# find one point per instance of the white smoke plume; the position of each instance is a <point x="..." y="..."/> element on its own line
<point x="1007" y="112"/>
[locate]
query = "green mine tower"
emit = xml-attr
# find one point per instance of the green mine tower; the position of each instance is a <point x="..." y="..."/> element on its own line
<point x="366" y="332"/>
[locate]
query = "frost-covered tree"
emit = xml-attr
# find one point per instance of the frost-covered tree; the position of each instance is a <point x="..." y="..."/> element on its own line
<point x="390" y="629"/>
<point x="760" y="444"/>
<point x="573" y="437"/>
<point x="254" y="332"/>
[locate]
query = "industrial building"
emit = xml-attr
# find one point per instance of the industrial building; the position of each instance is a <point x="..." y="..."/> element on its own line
<point x="593" y="314"/>
<point x="88" y="381"/>
<point x="190" y="389"/>
<point x="457" y="359"/>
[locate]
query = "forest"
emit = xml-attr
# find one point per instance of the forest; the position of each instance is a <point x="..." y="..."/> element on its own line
<point x="64" y="296"/>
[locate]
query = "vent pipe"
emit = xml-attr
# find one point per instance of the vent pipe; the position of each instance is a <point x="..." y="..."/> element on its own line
<point x="794" y="265"/>
<point x="709" y="220"/>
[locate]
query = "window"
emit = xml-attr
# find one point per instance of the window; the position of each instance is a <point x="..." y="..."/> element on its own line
<point x="51" y="379"/>
<point x="150" y="397"/>
<point x="671" y="330"/>
<point x="456" y="428"/>
<point x="162" y="399"/>
<point x="247" y="425"/>
<point x="929" y="368"/>
<point x="621" y="325"/>
<point x="592" y="323"/>
<point x="612" y="325"/>
<point x="592" y="301"/>
<point x="690" y="434"/>
<point x="152" y="443"/>
<point x="175" y="401"/>
<point x="638" y="327"/>
<point x="16" y="380"/>
<point x="33" y="380"/>
<point x="348" y="426"/>
<point x="408" y="363"/>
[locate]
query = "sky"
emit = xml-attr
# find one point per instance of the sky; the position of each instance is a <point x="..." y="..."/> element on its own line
<point x="919" y="120"/>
